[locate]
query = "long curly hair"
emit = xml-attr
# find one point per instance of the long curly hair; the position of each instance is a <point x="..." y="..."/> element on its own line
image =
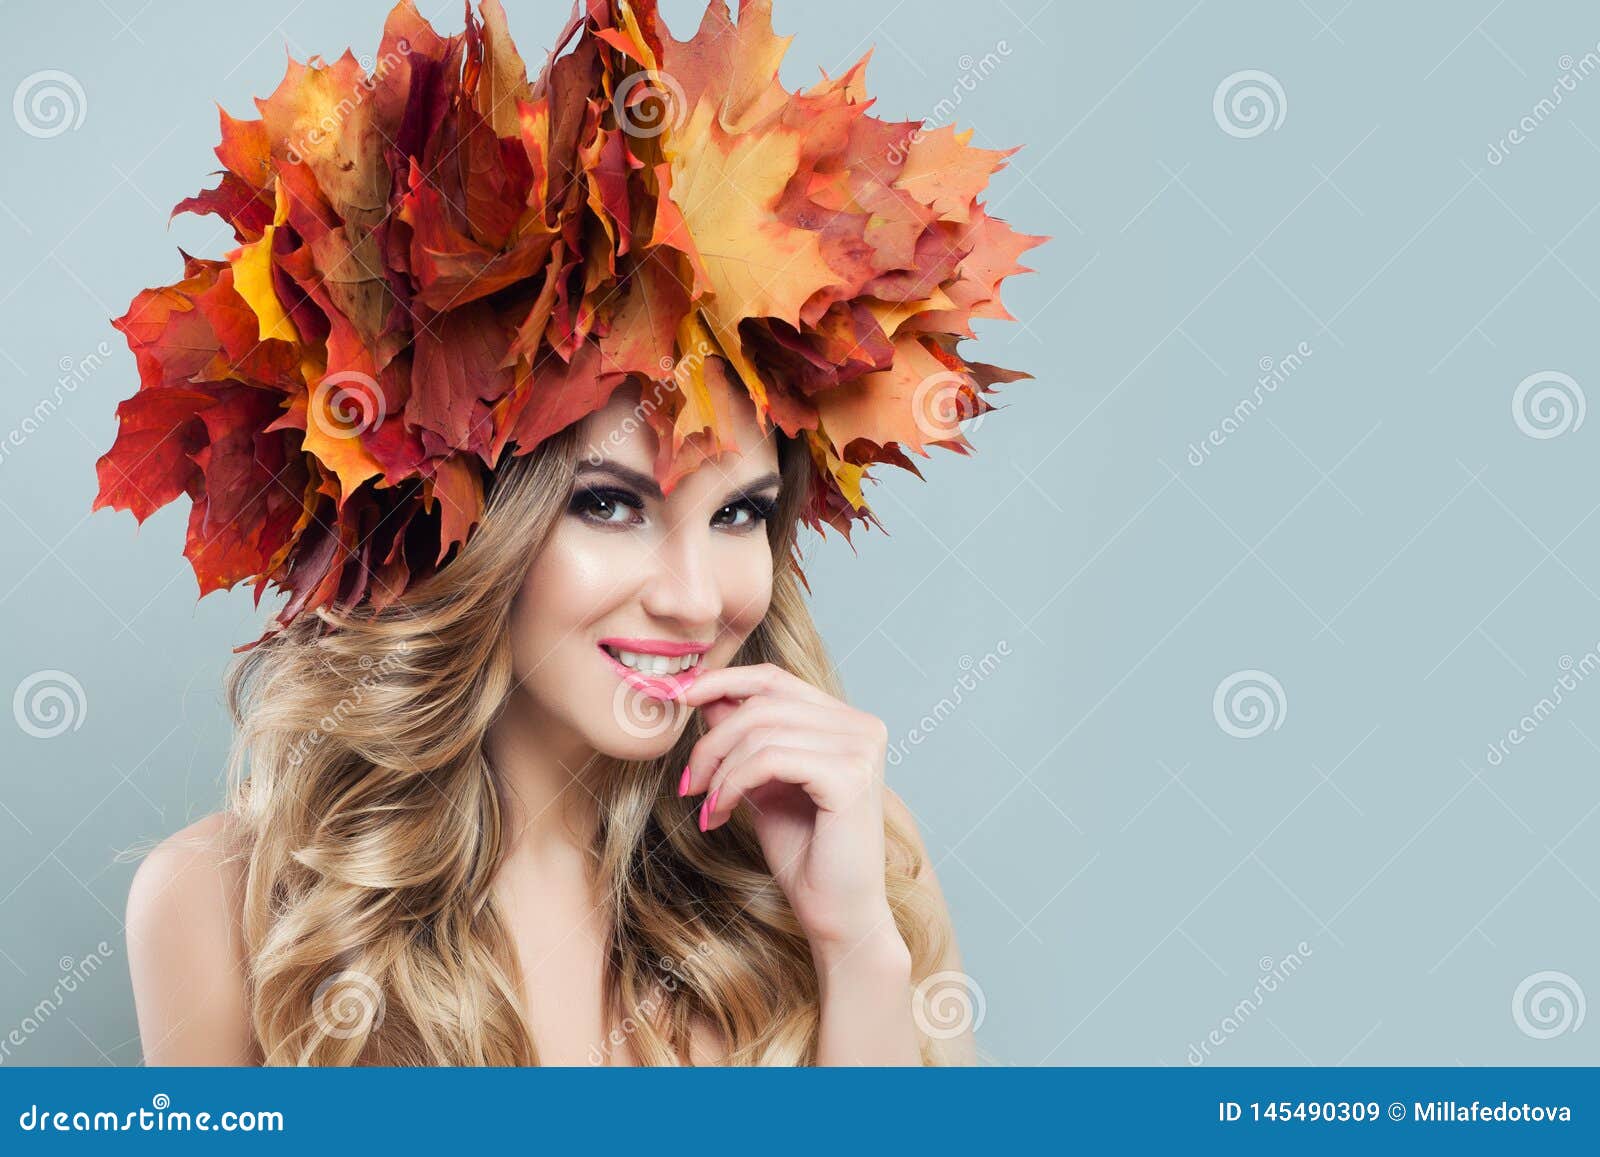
<point x="373" y="829"/>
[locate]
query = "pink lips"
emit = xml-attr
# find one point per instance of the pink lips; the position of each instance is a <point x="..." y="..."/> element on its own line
<point x="655" y="646"/>
<point x="656" y="686"/>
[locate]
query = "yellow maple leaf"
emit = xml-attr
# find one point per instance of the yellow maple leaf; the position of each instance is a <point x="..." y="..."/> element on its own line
<point x="726" y="187"/>
<point x="252" y="277"/>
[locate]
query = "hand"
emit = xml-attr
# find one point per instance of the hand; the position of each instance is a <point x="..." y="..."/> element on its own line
<point x="811" y="770"/>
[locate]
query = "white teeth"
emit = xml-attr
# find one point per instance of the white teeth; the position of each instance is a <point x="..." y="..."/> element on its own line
<point x="654" y="664"/>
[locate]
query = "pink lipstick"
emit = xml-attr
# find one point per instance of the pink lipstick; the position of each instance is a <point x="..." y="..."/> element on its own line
<point x="654" y="666"/>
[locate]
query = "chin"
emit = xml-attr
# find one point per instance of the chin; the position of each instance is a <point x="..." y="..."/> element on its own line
<point x="639" y="725"/>
<point x="625" y="747"/>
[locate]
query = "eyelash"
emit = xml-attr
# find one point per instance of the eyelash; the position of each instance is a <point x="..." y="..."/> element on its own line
<point x="761" y="509"/>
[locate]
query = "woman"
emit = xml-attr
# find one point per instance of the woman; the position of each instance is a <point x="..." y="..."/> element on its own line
<point x="560" y="892"/>
<point x="522" y="391"/>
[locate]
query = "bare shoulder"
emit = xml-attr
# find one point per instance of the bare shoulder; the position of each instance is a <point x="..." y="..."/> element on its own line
<point x="190" y="873"/>
<point x="186" y="949"/>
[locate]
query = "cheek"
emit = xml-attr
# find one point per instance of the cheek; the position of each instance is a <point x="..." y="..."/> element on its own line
<point x="581" y="568"/>
<point x="746" y="583"/>
<point x="564" y="589"/>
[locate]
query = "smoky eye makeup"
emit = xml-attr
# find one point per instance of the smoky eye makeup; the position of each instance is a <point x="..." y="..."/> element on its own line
<point x="609" y="504"/>
<point x="758" y="507"/>
<point x="605" y="505"/>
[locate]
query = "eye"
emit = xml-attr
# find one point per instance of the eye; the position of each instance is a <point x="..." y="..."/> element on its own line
<point x="605" y="507"/>
<point x="756" y="511"/>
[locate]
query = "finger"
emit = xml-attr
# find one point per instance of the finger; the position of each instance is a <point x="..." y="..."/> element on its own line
<point x="756" y="712"/>
<point x="717" y="710"/>
<point x="805" y="769"/>
<point x="834" y="746"/>
<point x="756" y="679"/>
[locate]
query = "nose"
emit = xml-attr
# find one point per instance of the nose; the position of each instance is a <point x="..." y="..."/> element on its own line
<point x="682" y="585"/>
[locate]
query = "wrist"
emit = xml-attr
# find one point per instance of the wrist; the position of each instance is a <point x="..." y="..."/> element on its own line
<point x="879" y="954"/>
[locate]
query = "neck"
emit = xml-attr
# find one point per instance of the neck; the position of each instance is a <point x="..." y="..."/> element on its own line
<point x="543" y="774"/>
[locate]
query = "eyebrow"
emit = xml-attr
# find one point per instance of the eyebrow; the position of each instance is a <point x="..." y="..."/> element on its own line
<point x="652" y="489"/>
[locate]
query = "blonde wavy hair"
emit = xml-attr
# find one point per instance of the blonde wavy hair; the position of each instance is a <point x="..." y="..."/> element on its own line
<point x="373" y="828"/>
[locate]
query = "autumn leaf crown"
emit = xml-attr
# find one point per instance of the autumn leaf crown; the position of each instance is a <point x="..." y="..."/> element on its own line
<point x="439" y="263"/>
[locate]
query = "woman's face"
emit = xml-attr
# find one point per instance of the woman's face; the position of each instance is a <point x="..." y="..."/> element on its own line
<point x="635" y="593"/>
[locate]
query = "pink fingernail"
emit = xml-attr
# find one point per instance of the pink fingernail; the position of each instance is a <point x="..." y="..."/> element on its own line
<point x="703" y="807"/>
<point x="683" y="783"/>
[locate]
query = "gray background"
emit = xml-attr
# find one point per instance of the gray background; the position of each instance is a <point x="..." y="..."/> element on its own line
<point x="1382" y="536"/>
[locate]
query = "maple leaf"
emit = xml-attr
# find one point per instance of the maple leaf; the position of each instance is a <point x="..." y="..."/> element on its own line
<point x="446" y="259"/>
